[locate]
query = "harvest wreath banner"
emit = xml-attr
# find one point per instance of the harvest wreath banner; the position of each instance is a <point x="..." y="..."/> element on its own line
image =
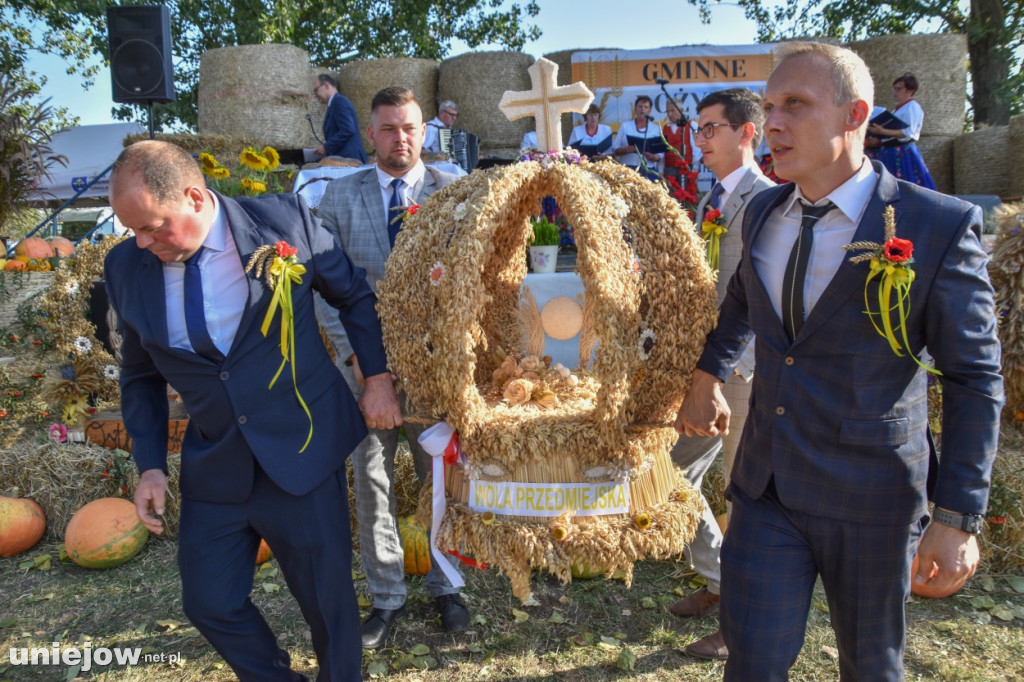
<point x="468" y="350"/>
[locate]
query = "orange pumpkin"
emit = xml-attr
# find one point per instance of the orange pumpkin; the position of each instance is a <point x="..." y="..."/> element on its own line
<point x="16" y="264"/>
<point x="62" y="246"/>
<point x="104" y="533"/>
<point x="415" y="545"/>
<point x="34" y="247"/>
<point x="22" y="524"/>
<point x="929" y="591"/>
<point x="263" y="554"/>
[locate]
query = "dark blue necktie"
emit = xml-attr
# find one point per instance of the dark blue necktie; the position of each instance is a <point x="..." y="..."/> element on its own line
<point x="796" y="268"/>
<point x="716" y="195"/>
<point x="395" y="210"/>
<point x="195" y="318"/>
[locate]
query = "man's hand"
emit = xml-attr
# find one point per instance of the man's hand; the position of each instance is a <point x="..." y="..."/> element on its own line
<point x="946" y="557"/>
<point x="150" y="499"/>
<point x="705" y="411"/>
<point x="320" y="151"/>
<point x="379" y="402"/>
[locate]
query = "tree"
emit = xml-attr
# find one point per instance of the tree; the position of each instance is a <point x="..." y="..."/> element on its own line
<point x="994" y="30"/>
<point x="332" y="32"/>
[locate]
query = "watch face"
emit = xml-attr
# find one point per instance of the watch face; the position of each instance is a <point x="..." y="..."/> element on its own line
<point x="973" y="523"/>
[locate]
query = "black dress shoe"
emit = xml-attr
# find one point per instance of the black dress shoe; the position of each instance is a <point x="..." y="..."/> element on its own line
<point x="454" y="613"/>
<point x="377" y="626"/>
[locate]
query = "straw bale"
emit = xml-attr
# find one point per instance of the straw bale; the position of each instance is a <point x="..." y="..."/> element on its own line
<point x="981" y="164"/>
<point x="476" y="81"/>
<point x="937" y="151"/>
<point x="18" y="289"/>
<point x="1015" y="154"/>
<point x="361" y="80"/>
<point x="938" y="60"/>
<point x="262" y="91"/>
<point x="1002" y="543"/>
<point x="64" y="477"/>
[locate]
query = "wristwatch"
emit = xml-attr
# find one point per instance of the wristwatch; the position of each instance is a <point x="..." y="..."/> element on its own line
<point x="970" y="523"/>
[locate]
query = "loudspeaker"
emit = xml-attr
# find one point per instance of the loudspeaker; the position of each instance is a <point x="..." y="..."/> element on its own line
<point x="140" y="53"/>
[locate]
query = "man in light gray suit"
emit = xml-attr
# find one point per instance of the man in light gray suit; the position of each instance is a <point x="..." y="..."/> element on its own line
<point x="365" y="210"/>
<point x="730" y="124"/>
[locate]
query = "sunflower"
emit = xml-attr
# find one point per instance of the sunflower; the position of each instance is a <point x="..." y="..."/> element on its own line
<point x="272" y="157"/>
<point x="250" y="158"/>
<point x="257" y="187"/>
<point x="207" y="162"/>
<point x="220" y="173"/>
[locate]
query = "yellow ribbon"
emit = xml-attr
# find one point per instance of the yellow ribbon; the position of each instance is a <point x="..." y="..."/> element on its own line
<point x="286" y="271"/>
<point x="712" y="233"/>
<point x="896" y="278"/>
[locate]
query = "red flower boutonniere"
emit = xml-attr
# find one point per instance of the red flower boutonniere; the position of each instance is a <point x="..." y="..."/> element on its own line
<point x="403" y="212"/>
<point x="712" y="228"/>
<point x="280" y="268"/>
<point x="890" y="264"/>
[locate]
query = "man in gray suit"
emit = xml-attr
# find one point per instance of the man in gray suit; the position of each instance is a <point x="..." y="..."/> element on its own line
<point x="729" y="127"/>
<point x="364" y="210"/>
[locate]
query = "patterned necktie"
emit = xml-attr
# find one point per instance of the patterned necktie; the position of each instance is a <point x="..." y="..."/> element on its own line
<point x="796" y="269"/>
<point x="395" y="208"/>
<point x="195" y="318"/>
<point x="716" y="195"/>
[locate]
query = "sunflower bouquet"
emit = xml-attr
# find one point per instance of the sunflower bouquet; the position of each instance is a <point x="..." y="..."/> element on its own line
<point x="255" y="174"/>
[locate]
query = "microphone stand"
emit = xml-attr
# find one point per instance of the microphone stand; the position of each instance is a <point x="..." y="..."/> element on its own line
<point x="683" y="119"/>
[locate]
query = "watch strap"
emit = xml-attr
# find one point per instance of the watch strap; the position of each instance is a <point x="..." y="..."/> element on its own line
<point x="970" y="523"/>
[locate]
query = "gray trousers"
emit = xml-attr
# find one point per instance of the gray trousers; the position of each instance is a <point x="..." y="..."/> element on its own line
<point x="373" y="464"/>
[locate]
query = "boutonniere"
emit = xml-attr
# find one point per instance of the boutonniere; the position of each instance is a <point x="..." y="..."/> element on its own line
<point x="280" y="268"/>
<point x="712" y="228"/>
<point x="402" y="212"/>
<point x="890" y="265"/>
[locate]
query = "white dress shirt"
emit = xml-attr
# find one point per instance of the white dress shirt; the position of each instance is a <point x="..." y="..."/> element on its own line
<point x="770" y="251"/>
<point x="431" y="138"/>
<point x="225" y="290"/>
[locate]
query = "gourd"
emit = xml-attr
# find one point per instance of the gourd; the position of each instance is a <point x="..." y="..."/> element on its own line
<point x="34" y="247"/>
<point x="415" y="545"/>
<point x="62" y="246"/>
<point x="263" y="554"/>
<point x="22" y="524"/>
<point x="104" y="533"/>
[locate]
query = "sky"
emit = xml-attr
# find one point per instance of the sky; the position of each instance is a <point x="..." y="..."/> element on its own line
<point x="565" y="25"/>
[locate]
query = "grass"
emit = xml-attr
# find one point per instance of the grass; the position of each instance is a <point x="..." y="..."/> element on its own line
<point x="589" y="630"/>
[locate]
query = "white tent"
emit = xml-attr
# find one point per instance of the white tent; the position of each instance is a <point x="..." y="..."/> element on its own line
<point x="90" y="150"/>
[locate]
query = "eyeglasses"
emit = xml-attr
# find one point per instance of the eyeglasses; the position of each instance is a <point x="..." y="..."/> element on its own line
<point x="317" y="88"/>
<point x="453" y="114"/>
<point x="708" y="129"/>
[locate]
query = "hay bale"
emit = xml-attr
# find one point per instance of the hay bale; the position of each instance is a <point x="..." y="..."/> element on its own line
<point x="938" y="60"/>
<point x="1015" y="155"/>
<point x="360" y="81"/>
<point x="937" y="151"/>
<point x="1002" y="543"/>
<point x="476" y="81"/>
<point x="981" y="164"/>
<point x="260" y="91"/>
<point x="64" y="477"/>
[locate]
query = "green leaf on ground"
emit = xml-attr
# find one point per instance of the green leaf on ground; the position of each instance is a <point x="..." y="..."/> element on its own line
<point x="982" y="602"/>
<point x="626" y="660"/>
<point x="419" y="650"/>
<point x="1016" y="583"/>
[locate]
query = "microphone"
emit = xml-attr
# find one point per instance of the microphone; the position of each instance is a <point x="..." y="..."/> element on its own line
<point x="661" y="81"/>
<point x="648" y="117"/>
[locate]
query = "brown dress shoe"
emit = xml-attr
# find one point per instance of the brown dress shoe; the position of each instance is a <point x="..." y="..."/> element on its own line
<point x="711" y="648"/>
<point x="696" y="605"/>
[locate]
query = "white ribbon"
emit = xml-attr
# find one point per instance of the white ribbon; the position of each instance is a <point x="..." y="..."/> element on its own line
<point x="436" y="441"/>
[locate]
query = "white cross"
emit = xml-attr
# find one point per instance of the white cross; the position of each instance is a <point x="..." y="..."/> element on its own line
<point x="546" y="101"/>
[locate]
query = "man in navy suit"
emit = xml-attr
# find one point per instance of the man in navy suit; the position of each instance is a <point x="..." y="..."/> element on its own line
<point x="341" y="125"/>
<point x="190" y="316"/>
<point x="831" y="475"/>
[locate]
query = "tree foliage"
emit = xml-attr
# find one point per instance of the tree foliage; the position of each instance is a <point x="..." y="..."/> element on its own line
<point x="994" y="30"/>
<point x="331" y="31"/>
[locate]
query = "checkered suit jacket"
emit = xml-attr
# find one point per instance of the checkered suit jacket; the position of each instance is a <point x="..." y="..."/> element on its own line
<point x="836" y="416"/>
<point x="353" y="209"/>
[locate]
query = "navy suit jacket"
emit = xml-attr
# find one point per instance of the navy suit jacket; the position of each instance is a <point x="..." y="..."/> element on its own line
<point x="838" y="419"/>
<point x="235" y="420"/>
<point x="341" y="130"/>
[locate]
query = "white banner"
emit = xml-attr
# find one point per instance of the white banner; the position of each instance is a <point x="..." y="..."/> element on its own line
<point x="513" y="498"/>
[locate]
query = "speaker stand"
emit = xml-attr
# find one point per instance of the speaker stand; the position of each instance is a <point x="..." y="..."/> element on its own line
<point x="149" y="107"/>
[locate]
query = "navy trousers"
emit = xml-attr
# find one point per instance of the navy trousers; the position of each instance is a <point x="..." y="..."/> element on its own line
<point x="772" y="557"/>
<point x="311" y="539"/>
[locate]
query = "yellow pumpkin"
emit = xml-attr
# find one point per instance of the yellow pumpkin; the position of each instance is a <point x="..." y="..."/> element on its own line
<point x="263" y="554"/>
<point x="22" y="524"/>
<point x="415" y="545"/>
<point x="104" y="533"/>
<point x="581" y="570"/>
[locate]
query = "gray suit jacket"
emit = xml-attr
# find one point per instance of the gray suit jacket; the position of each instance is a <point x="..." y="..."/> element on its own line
<point x="731" y="249"/>
<point x="353" y="209"/>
